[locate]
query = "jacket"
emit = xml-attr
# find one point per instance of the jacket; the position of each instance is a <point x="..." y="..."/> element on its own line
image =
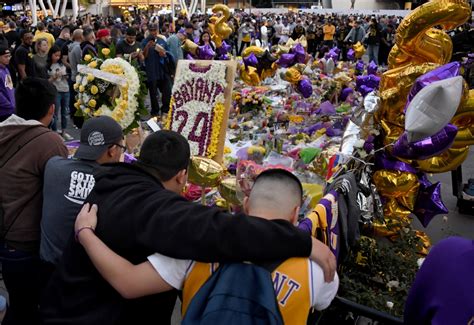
<point x="7" y="92"/>
<point x="138" y="217"/>
<point x="21" y="175"/>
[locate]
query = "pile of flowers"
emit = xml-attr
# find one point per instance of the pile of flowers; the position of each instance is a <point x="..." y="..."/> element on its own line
<point x="119" y="93"/>
<point x="251" y="101"/>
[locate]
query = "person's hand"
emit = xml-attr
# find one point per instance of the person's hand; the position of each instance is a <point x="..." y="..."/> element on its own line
<point x="322" y="255"/>
<point x="150" y="43"/>
<point x="87" y="217"/>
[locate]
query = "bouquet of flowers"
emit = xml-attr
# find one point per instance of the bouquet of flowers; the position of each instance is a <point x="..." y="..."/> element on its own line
<point x="110" y="86"/>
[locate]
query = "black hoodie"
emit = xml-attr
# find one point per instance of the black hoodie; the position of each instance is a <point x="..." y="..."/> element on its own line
<point x="138" y="217"/>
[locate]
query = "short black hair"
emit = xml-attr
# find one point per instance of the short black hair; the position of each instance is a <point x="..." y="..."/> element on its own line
<point x="167" y="152"/>
<point x="34" y="97"/>
<point x="281" y="175"/>
<point x="131" y="31"/>
<point x="87" y="31"/>
<point x="23" y="32"/>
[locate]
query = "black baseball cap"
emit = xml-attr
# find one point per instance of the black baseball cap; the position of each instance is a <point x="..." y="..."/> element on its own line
<point x="4" y="50"/>
<point x="97" y="135"/>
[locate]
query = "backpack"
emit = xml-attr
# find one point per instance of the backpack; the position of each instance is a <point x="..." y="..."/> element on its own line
<point x="236" y="293"/>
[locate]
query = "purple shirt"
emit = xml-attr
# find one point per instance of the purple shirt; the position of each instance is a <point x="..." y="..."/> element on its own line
<point x="7" y="92"/>
<point x="443" y="290"/>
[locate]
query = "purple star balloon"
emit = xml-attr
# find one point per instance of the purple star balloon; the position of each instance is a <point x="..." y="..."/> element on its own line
<point x="251" y="60"/>
<point x="429" y="203"/>
<point x="372" y="68"/>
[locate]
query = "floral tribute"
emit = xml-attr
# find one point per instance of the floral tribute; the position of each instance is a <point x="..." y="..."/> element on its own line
<point x="197" y="105"/>
<point x="112" y="87"/>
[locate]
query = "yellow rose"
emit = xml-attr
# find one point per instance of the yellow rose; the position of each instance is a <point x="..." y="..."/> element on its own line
<point x="90" y="77"/>
<point x="92" y="65"/>
<point x="77" y="105"/>
<point x="87" y="111"/>
<point x="94" y="90"/>
<point x="87" y="58"/>
<point x="105" y="51"/>
<point x="81" y="88"/>
<point x="76" y="86"/>
<point x="92" y="103"/>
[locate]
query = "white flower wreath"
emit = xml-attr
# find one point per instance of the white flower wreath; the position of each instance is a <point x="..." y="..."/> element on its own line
<point x="124" y="107"/>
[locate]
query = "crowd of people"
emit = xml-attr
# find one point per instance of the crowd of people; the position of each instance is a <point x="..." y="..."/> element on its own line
<point x="53" y="49"/>
<point x="124" y="268"/>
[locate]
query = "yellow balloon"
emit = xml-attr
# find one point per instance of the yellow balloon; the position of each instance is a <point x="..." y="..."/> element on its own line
<point x="465" y="123"/>
<point x="221" y="30"/>
<point x="190" y="47"/>
<point x="253" y="49"/>
<point x="468" y="103"/>
<point x="415" y="29"/>
<point x="359" y="50"/>
<point x="446" y="161"/>
<point x="228" y="190"/>
<point x="464" y="137"/>
<point x="292" y="75"/>
<point x="249" y="75"/>
<point x="204" y="172"/>
<point x="408" y="200"/>
<point x="425" y="242"/>
<point x="392" y="132"/>
<point x="394" y="183"/>
<point x="435" y="46"/>
<point x="396" y="218"/>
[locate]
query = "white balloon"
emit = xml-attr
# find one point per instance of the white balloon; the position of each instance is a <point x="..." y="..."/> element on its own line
<point x="329" y="66"/>
<point x="432" y="108"/>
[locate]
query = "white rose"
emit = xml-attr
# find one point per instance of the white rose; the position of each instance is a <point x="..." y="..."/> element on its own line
<point x="389" y="304"/>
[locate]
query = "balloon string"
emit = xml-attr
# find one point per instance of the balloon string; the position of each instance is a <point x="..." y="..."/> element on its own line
<point x="383" y="148"/>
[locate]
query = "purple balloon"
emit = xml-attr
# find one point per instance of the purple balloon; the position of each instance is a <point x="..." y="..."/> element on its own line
<point x="326" y="108"/>
<point x="424" y="181"/>
<point x="305" y="87"/>
<point x="299" y="52"/>
<point x="286" y="60"/>
<point x="128" y="158"/>
<point x="372" y="68"/>
<point x="382" y="161"/>
<point x="364" y="90"/>
<point x="223" y="57"/>
<point x="429" y="203"/>
<point x="345" y="93"/>
<point x="251" y="60"/>
<point x="333" y="132"/>
<point x="313" y="128"/>
<point x="452" y="69"/>
<point x="336" y="50"/>
<point x="205" y="52"/>
<point x="370" y="81"/>
<point x="224" y="49"/>
<point x="351" y="55"/>
<point x="425" y="148"/>
<point x="332" y="55"/>
<point x="359" y="67"/>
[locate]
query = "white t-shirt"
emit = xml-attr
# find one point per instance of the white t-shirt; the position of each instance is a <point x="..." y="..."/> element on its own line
<point x="175" y="272"/>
